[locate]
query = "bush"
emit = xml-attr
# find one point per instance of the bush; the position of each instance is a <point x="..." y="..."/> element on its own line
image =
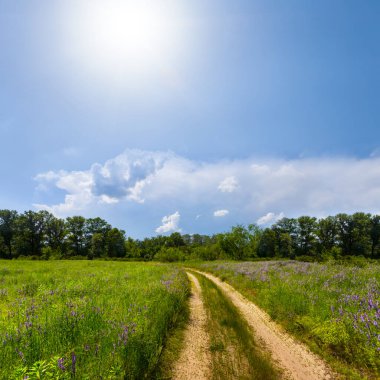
<point x="170" y="255"/>
<point x="208" y="253"/>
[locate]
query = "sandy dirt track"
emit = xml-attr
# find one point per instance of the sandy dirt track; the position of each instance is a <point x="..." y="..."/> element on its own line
<point x="297" y="361"/>
<point x="195" y="360"/>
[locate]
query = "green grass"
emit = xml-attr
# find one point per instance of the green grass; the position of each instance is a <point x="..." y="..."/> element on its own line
<point x="173" y="347"/>
<point x="334" y="308"/>
<point x="97" y="319"/>
<point x="233" y="349"/>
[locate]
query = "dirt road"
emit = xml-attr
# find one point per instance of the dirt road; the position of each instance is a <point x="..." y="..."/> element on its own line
<point x="297" y="361"/>
<point x="195" y="361"/>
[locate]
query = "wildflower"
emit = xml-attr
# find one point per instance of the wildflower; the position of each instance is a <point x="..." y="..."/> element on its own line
<point x="61" y="365"/>
<point x="73" y="362"/>
<point x="20" y="353"/>
<point x="28" y="324"/>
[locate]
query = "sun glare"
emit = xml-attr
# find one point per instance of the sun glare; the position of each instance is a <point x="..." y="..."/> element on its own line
<point x="115" y="38"/>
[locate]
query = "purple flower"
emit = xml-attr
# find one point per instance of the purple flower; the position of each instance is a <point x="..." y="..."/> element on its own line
<point x="61" y="365"/>
<point x="73" y="362"/>
<point x="20" y="353"/>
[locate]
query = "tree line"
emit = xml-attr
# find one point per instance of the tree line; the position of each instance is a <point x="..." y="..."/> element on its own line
<point x="41" y="235"/>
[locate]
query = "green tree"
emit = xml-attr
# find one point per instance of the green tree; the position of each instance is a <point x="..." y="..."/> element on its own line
<point x="77" y="239"/>
<point x="375" y="236"/>
<point x="286" y="237"/>
<point x="285" y="246"/>
<point x="30" y="227"/>
<point x="97" y="225"/>
<point x="116" y="243"/>
<point x="306" y="235"/>
<point x="327" y="234"/>
<point x="7" y="231"/>
<point x="132" y="248"/>
<point x="96" y="230"/>
<point x="56" y="232"/>
<point x="151" y="246"/>
<point x="362" y="234"/>
<point x="236" y="243"/>
<point x="175" y="240"/>
<point x="345" y="227"/>
<point x="354" y="232"/>
<point x="254" y="236"/>
<point x="96" y="246"/>
<point x="267" y="243"/>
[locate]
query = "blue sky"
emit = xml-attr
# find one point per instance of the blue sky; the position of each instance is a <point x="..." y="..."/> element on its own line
<point x="205" y="113"/>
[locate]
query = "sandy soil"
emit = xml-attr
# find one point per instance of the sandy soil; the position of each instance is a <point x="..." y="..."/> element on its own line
<point x="195" y="360"/>
<point x="297" y="361"/>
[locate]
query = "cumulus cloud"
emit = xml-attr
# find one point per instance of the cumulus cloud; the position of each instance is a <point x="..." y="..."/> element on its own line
<point x="153" y="180"/>
<point x="228" y="185"/>
<point x="221" y="213"/>
<point x="270" y="218"/>
<point x="121" y="178"/>
<point x="127" y="174"/>
<point x="169" y="223"/>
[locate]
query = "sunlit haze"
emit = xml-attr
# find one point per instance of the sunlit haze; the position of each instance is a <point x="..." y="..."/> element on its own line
<point x="119" y="40"/>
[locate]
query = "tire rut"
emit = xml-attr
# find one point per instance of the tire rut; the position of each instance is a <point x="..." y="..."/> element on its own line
<point x="194" y="362"/>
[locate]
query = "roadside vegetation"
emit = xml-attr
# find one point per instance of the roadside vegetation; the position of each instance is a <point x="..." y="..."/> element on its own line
<point x="86" y="320"/>
<point x="334" y="308"/>
<point x="173" y="346"/>
<point x="235" y="354"/>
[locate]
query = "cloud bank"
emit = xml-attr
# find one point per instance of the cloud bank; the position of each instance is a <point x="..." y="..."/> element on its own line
<point x="254" y="189"/>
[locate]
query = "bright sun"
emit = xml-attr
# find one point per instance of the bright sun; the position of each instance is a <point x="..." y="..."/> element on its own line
<point x="114" y="37"/>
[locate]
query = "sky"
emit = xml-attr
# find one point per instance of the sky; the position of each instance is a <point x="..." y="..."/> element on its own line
<point x="191" y="116"/>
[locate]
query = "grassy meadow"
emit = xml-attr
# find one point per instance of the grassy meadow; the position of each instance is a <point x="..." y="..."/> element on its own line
<point x="86" y="319"/>
<point x="334" y="308"/>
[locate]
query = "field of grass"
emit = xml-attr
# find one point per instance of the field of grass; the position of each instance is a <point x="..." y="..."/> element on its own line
<point x="334" y="308"/>
<point x="86" y="320"/>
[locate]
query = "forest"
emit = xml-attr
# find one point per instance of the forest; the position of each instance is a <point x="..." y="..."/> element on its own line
<point x="41" y="235"/>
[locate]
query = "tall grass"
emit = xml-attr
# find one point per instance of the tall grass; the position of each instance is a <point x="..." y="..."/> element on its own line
<point x="86" y="320"/>
<point x="334" y="308"/>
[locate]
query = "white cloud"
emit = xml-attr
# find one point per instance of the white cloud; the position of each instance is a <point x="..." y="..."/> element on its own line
<point x="169" y="223"/>
<point x="154" y="180"/>
<point x="121" y="178"/>
<point x="269" y="218"/>
<point x="221" y="213"/>
<point x="228" y="185"/>
<point x="108" y="200"/>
